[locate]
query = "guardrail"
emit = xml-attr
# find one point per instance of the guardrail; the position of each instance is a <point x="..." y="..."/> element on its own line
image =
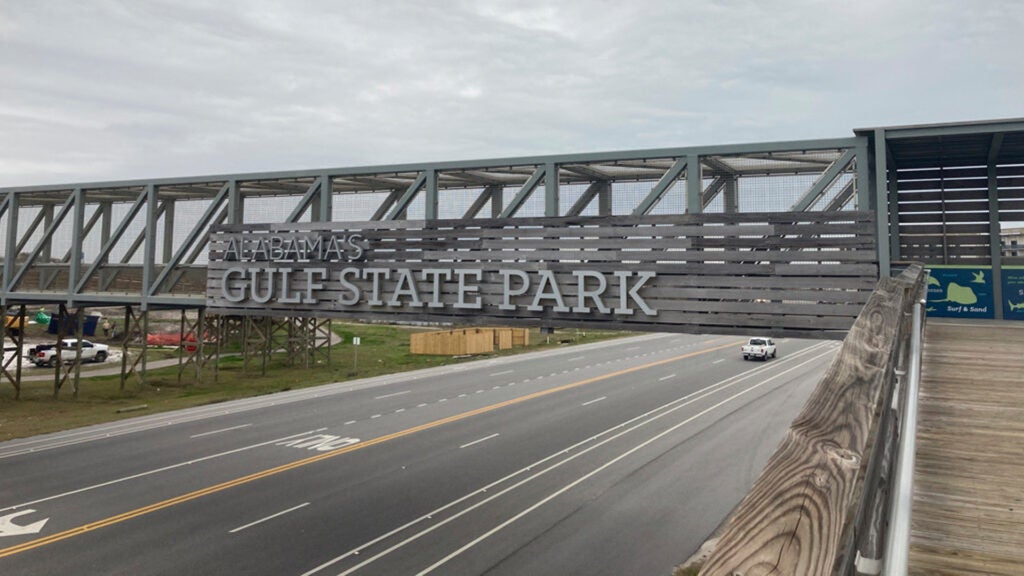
<point x="897" y="546"/>
<point x="820" y="505"/>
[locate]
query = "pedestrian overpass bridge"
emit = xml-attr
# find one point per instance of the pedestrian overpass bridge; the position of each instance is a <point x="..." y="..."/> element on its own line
<point x="784" y="238"/>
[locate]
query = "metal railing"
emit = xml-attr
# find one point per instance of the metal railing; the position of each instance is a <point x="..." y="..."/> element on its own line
<point x="897" y="545"/>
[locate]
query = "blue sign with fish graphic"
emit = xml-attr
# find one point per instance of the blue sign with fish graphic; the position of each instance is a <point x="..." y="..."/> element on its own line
<point x="1013" y="292"/>
<point x="960" y="292"/>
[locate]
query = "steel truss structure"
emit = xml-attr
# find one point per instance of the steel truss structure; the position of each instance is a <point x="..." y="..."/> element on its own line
<point x="125" y="243"/>
<point x="142" y="244"/>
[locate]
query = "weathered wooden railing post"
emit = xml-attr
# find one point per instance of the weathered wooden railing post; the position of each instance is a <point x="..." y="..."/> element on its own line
<point x="801" y="514"/>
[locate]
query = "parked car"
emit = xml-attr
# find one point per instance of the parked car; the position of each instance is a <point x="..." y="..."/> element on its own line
<point x="762" y="348"/>
<point x="45" y="355"/>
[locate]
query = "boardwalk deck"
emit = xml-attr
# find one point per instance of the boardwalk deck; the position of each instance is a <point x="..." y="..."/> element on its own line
<point x="968" y="515"/>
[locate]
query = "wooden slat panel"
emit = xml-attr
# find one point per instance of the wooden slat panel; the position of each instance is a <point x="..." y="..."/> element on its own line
<point x="948" y="206"/>
<point x="952" y="228"/>
<point x="932" y="174"/>
<point x="950" y="186"/>
<point x="947" y="217"/>
<point x="937" y="196"/>
<point x="968" y="474"/>
<point x="773" y="271"/>
<point x="953" y="250"/>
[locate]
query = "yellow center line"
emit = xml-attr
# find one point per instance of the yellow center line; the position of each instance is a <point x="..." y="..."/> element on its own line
<point x="24" y="547"/>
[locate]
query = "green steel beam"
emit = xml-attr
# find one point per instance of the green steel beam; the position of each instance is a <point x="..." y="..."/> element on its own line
<point x="497" y="200"/>
<point x="592" y="191"/>
<point x="485" y="196"/>
<point x="167" y="244"/>
<point x="10" y="204"/>
<point x="325" y="208"/>
<point x="382" y="210"/>
<point x="236" y="203"/>
<point x="300" y="208"/>
<point x="862" y="173"/>
<point x="882" y="208"/>
<point x="27" y="235"/>
<point x="585" y="158"/>
<point x="430" y="195"/>
<point x="824" y="181"/>
<point x="86" y="230"/>
<point x="731" y="196"/>
<point x="694" y="184"/>
<point x="149" y="251"/>
<point x="200" y="228"/>
<point x="45" y="240"/>
<point x="77" y="233"/>
<point x="402" y="204"/>
<point x="895" y="253"/>
<point x="524" y="193"/>
<point x="106" y="245"/>
<point x="713" y="190"/>
<point x="994" y="238"/>
<point x="667" y="180"/>
<point x="955" y="129"/>
<point x="551" y="193"/>
<point x="844" y="196"/>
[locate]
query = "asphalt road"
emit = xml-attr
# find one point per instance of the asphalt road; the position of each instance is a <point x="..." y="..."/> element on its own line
<point x="614" y="458"/>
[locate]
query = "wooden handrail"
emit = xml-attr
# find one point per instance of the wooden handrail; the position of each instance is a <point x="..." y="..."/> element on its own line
<point x="798" y="517"/>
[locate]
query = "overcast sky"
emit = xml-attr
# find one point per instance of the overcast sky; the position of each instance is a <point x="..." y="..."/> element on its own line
<point x="110" y="90"/>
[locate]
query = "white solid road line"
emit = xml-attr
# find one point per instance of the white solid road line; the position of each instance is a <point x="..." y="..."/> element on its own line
<point x="391" y="395"/>
<point x="157" y="470"/>
<point x="602" y="467"/>
<point x="271" y="517"/>
<point x="625" y="427"/>
<point x="221" y="430"/>
<point x="502" y="373"/>
<point x="484" y="439"/>
<point x="23" y="446"/>
<point x="589" y="402"/>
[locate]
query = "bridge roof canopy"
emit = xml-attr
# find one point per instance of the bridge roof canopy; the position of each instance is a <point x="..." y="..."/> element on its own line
<point x="954" y="144"/>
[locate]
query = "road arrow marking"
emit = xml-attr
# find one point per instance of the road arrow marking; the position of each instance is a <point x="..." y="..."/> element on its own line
<point x="9" y="528"/>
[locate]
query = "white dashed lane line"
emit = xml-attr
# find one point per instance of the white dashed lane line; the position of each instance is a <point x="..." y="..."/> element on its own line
<point x="484" y="439"/>
<point x="527" y="380"/>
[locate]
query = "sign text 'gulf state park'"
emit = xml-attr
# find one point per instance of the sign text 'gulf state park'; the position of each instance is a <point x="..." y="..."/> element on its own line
<point x="654" y="273"/>
<point x="337" y="272"/>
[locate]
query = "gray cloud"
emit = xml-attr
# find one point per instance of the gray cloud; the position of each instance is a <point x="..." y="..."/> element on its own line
<point x="130" y="89"/>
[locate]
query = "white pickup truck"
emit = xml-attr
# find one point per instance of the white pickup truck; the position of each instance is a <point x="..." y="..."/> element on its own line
<point x="91" y="352"/>
<point x="762" y="348"/>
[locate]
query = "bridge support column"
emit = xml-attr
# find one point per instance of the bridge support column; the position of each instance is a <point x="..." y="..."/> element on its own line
<point x="133" y="340"/>
<point x="192" y="350"/>
<point x="995" y="242"/>
<point x="16" y="334"/>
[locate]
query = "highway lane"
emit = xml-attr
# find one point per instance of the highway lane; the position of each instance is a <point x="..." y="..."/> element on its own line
<point x="615" y="457"/>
